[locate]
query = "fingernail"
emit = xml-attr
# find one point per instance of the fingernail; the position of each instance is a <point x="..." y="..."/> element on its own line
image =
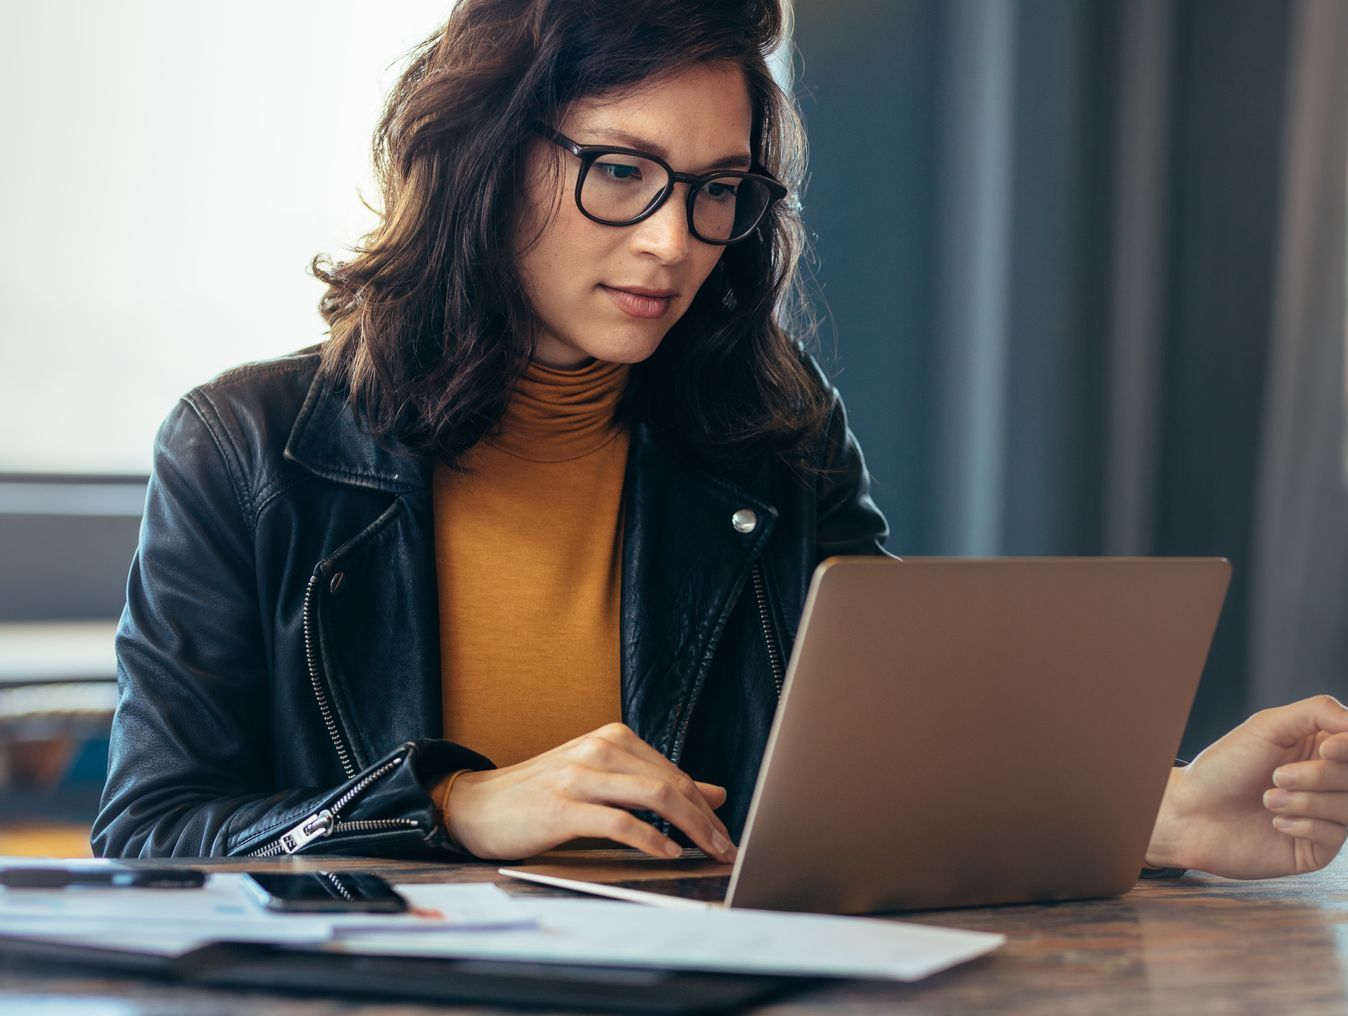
<point x="1276" y="799"/>
<point x="1281" y="822"/>
<point x="721" y="844"/>
<point x="672" y="849"/>
<point x="1334" y="750"/>
<point x="1285" y="777"/>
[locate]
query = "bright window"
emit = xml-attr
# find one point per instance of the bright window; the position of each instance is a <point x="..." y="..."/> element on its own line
<point x="169" y="170"/>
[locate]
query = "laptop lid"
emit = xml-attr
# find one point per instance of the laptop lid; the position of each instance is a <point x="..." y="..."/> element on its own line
<point x="960" y="732"/>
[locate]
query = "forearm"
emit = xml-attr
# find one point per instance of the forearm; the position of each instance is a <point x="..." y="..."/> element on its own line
<point x="385" y="810"/>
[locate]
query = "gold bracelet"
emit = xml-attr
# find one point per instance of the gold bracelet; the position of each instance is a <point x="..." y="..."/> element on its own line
<point x="443" y="805"/>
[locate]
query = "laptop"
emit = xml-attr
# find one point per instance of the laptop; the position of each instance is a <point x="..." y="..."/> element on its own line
<point x="958" y="732"/>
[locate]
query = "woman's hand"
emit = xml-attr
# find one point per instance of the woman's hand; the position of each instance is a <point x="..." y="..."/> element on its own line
<point x="582" y="788"/>
<point x="1270" y="798"/>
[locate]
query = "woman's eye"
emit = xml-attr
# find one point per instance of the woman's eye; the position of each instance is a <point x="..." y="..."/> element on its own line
<point x="619" y="170"/>
<point x="721" y="191"/>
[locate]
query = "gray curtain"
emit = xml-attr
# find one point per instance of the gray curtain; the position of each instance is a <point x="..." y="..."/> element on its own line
<point x="1052" y="249"/>
<point x="1299" y="618"/>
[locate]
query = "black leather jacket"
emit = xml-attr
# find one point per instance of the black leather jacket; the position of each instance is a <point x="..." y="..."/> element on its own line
<point x="278" y="656"/>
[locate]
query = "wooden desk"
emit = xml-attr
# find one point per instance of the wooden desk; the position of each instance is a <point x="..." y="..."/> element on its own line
<point x="1194" y="946"/>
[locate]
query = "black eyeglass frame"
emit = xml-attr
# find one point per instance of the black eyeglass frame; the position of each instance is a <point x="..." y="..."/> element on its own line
<point x="589" y="154"/>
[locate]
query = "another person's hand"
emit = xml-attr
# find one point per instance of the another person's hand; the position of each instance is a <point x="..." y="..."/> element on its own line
<point x="1270" y="798"/>
<point x="582" y="789"/>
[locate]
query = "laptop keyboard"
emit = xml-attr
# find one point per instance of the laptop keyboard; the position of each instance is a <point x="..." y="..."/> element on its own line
<point x="707" y="888"/>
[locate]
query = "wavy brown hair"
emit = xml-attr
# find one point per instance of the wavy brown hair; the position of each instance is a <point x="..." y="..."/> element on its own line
<point x="429" y="325"/>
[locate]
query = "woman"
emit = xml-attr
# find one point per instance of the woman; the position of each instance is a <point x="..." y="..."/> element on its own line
<point x="553" y="489"/>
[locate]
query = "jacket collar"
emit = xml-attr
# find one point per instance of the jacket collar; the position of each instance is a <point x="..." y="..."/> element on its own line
<point x="329" y="441"/>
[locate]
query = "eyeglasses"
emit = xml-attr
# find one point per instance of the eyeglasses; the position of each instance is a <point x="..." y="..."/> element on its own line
<point x="622" y="186"/>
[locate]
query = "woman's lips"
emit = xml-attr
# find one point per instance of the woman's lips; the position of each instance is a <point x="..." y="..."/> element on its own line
<point x="638" y="304"/>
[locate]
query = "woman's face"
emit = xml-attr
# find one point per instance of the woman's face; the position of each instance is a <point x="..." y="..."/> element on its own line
<point x="612" y="292"/>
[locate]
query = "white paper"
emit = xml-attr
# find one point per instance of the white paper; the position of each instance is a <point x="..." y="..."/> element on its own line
<point x="758" y="941"/>
<point x="172" y="921"/>
<point x="479" y="906"/>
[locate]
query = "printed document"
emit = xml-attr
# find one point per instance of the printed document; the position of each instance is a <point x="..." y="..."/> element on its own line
<point x="743" y="941"/>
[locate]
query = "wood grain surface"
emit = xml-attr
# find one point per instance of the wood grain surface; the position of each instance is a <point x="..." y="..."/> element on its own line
<point x="1197" y="945"/>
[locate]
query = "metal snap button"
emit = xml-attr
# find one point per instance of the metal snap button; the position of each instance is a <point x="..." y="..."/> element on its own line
<point x="336" y="584"/>
<point x="745" y="520"/>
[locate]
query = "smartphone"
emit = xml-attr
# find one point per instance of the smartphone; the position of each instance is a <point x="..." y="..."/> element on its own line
<point x="318" y="892"/>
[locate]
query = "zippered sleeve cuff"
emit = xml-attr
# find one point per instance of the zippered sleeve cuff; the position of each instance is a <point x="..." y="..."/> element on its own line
<point x="383" y="811"/>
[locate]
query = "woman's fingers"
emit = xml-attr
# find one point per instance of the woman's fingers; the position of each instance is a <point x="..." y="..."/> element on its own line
<point x="1286" y="725"/>
<point x="1335" y="747"/>
<point x="624" y="737"/>
<point x="578" y="789"/>
<point x="1328" y="805"/>
<point x="615" y="748"/>
<point x="594" y="820"/>
<point x="711" y="793"/>
<point x="1316" y="774"/>
<point x="1328" y="836"/>
<point x="652" y="794"/>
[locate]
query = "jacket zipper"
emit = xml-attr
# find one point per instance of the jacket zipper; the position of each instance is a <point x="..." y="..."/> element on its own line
<point x="774" y="659"/>
<point x="325" y="822"/>
<point x="774" y="651"/>
<point x="316" y="679"/>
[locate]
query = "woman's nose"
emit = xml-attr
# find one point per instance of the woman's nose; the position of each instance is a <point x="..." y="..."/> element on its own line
<point x="665" y="234"/>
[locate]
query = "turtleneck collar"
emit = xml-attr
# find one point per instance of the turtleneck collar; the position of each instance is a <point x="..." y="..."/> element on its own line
<point x="556" y="414"/>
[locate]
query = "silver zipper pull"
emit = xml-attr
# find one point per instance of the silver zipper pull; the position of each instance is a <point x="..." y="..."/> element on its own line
<point x="315" y="827"/>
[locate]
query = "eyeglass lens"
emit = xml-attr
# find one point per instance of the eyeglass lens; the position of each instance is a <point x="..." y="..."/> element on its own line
<point x="619" y="188"/>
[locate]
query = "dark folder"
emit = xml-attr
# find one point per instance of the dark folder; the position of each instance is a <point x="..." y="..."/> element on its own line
<point x="488" y="982"/>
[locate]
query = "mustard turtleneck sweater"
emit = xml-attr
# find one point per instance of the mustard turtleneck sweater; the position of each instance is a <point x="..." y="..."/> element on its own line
<point x="528" y="547"/>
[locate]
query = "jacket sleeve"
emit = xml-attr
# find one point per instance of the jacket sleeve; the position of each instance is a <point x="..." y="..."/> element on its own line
<point x="848" y="520"/>
<point x="190" y="767"/>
